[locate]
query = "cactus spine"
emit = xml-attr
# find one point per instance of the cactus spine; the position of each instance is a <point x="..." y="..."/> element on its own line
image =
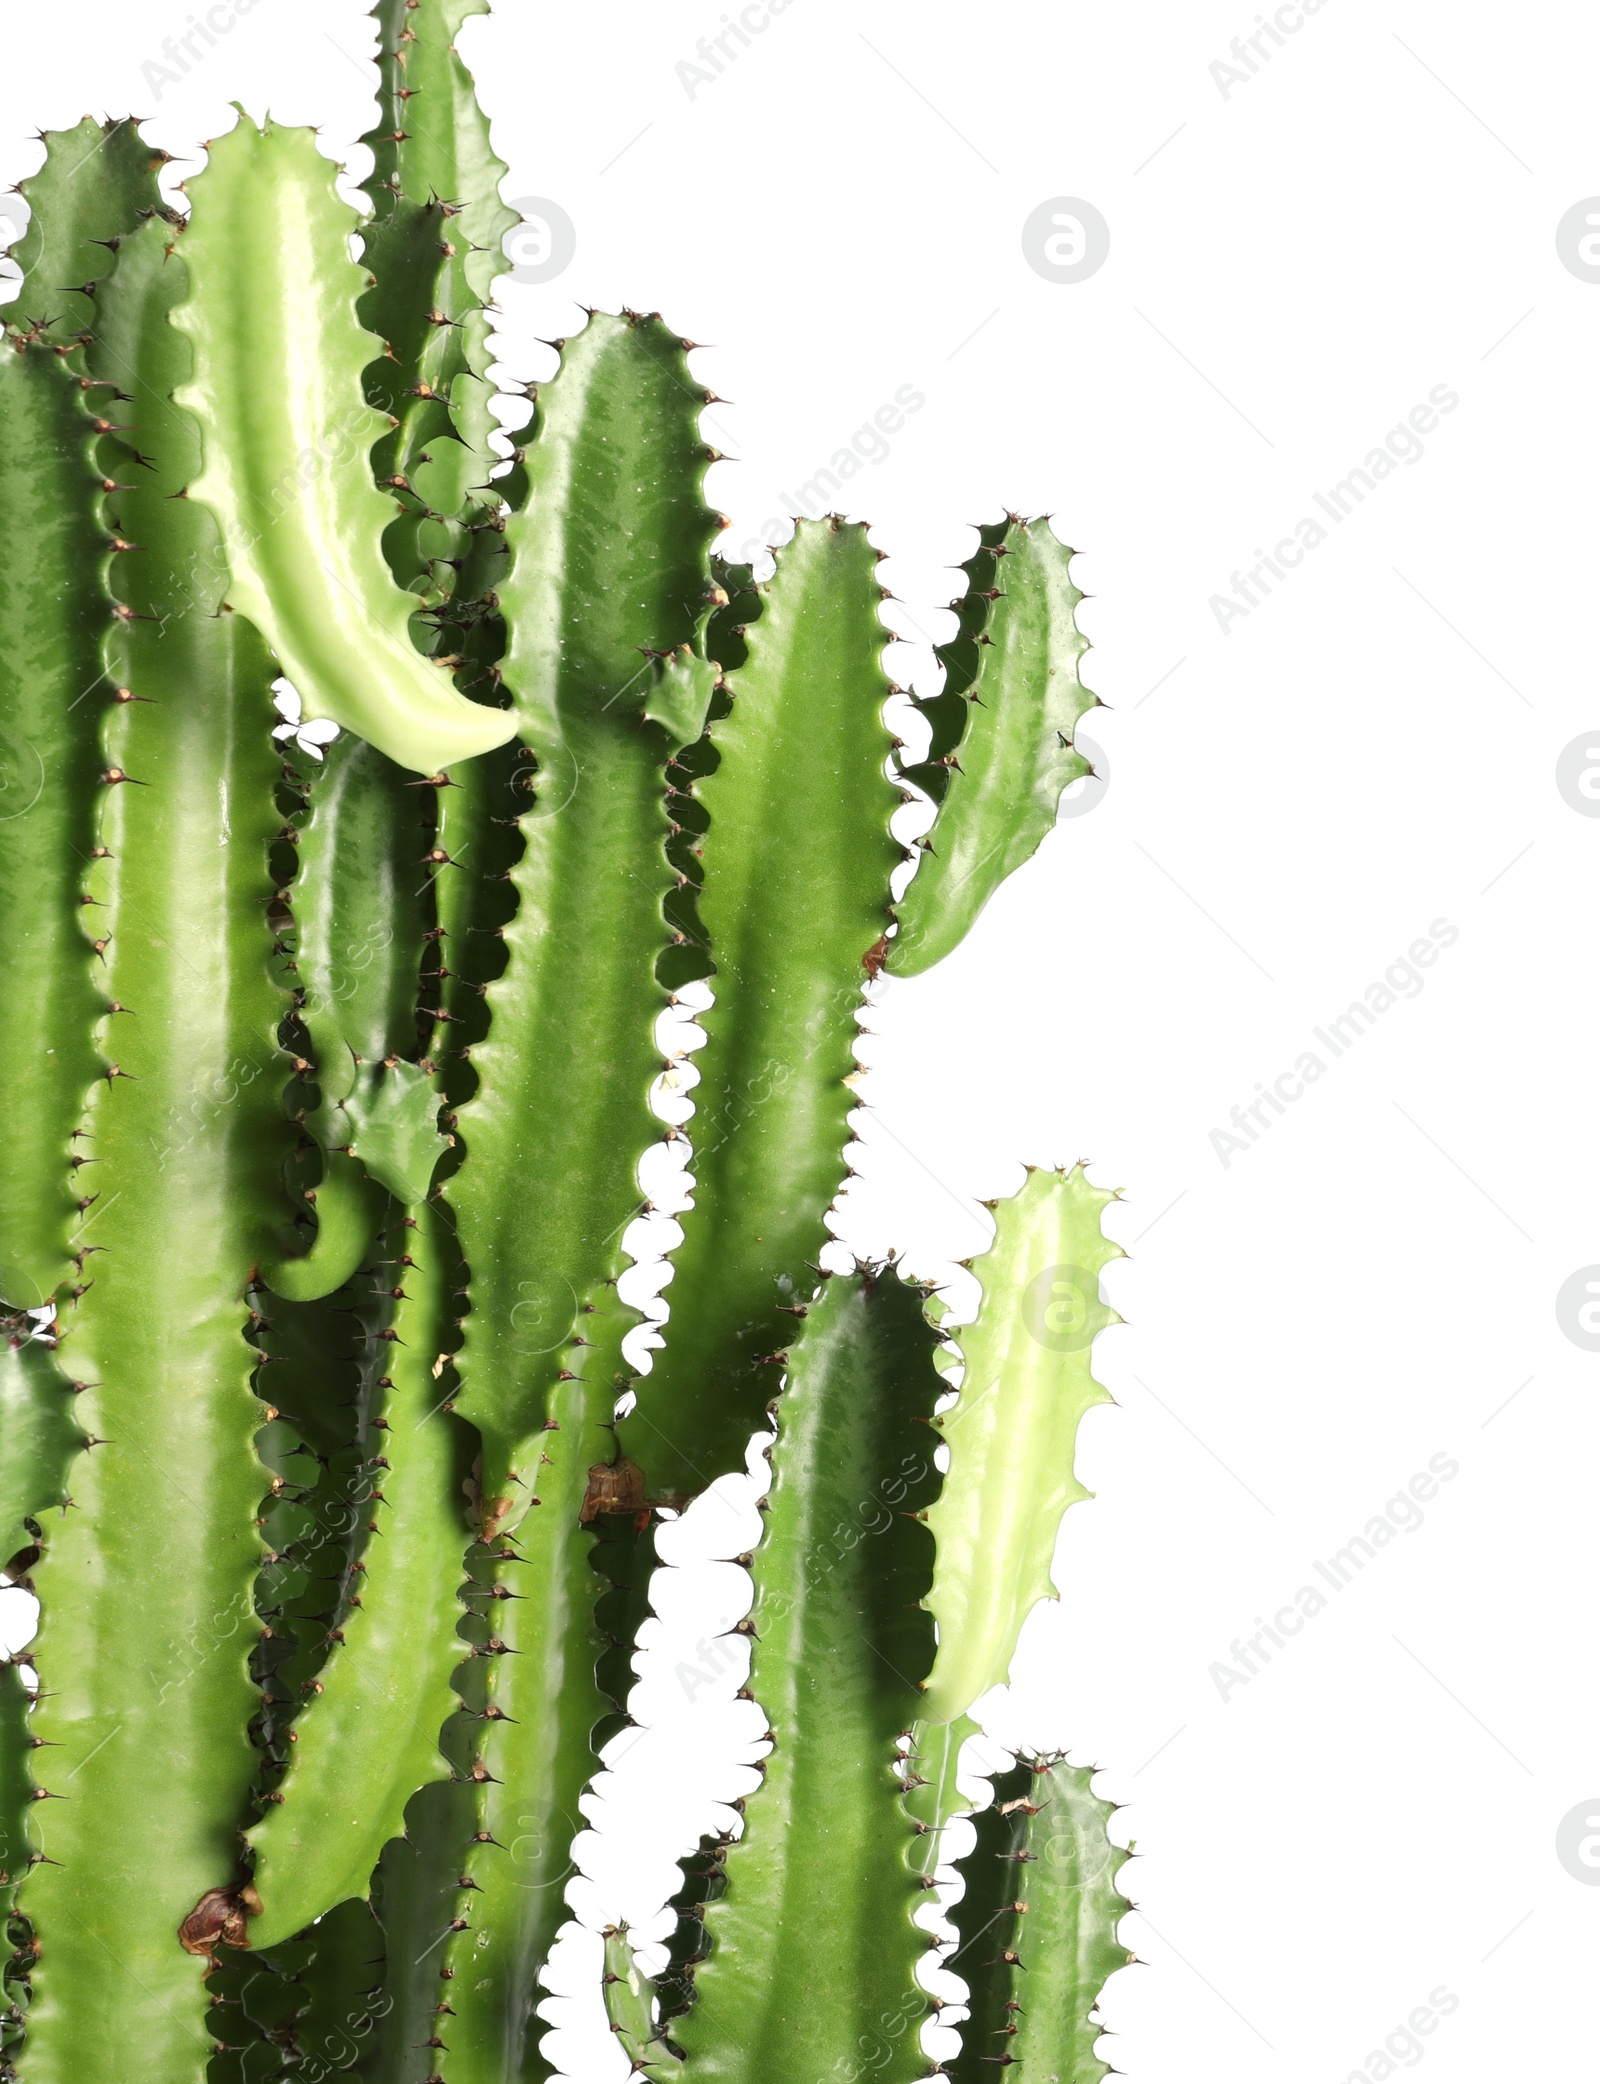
<point x="328" y="1126"/>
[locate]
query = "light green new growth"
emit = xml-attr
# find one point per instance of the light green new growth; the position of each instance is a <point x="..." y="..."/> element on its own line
<point x="1012" y="1434"/>
<point x="277" y="391"/>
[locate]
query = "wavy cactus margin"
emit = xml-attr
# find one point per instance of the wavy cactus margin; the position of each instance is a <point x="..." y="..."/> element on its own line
<point x="323" y="1436"/>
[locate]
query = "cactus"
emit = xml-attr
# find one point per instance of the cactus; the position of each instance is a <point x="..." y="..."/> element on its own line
<point x="323" y="1439"/>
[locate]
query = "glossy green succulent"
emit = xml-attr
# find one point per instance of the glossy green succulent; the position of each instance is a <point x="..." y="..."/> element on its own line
<point x="323" y="1439"/>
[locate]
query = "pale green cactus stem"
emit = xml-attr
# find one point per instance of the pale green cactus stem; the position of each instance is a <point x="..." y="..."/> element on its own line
<point x="277" y="390"/>
<point x="1026" y="1387"/>
<point x="147" y="1692"/>
<point x="1001" y="751"/>
<point x="814" y="1952"/>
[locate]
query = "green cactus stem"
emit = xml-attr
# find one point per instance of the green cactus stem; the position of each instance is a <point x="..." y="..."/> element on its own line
<point x="416" y="1893"/>
<point x="147" y="1585"/>
<point x="985" y="1919"/>
<point x="1002" y="729"/>
<point x="336" y="2028"/>
<point x="814" y="1950"/>
<point x="1038" y="1926"/>
<point x="543" y="1698"/>
<point x="609" y="566"/>
<point x="1012" y="1434"/>
<point x="97" y="182"/>
<point x="277" y="389"/>
<point x="369" y="1737"/>
<point x="54" y="691"/>
<point x="16" y="1785"/>
<point x="40" y="1432"/>
<point x="631" y="2008"/>
<point x="796" y="884"/>
<point x="321" y="1370"/>
<point x="434" y="249"/>
<point x="355" y="943"/>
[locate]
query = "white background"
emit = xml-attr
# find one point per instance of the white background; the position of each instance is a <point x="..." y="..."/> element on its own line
<point x="1293" y="266"/>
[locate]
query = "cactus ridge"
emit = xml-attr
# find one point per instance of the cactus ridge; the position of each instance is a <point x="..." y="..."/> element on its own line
<point x="609" y="576"/>
<point x="1026" y="1385"/>
<point x="95" y="187"/>
<point x="547" y="1666"/>
<point x="1037" y="1923"/>
<point x="801" y="1969"/>
<point x="794" y="907"/>
<point x="323" y="1434"/>
<point x="278" y="391"/>
<point x="1001" y="749"/>
<point x="186" y="1142"/>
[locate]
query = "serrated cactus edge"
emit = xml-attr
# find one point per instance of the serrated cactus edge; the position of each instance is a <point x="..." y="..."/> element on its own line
<point x="330" y="1439"/>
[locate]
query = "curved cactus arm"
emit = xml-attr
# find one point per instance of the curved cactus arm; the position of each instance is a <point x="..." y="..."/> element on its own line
<point x="610" y="563"/>
<point x="98" y="180"/>
<point x="147" y="1587"/>
<point x="278" y="393"/>
<point x="985" y="1919"/>
<point x="1012" y="1434"/>
<point x="40" y="1433"/>
<point x="369" y="1738"/>
<point x="434" y="248"/>
<point x="53" y="695"/>
<point x="794" y="904"/>
<point x="349" y="1207"/>
<point x="813" y="1948"/>
<point x="1001" y="751"/>
<point x="543" y="1700"/>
